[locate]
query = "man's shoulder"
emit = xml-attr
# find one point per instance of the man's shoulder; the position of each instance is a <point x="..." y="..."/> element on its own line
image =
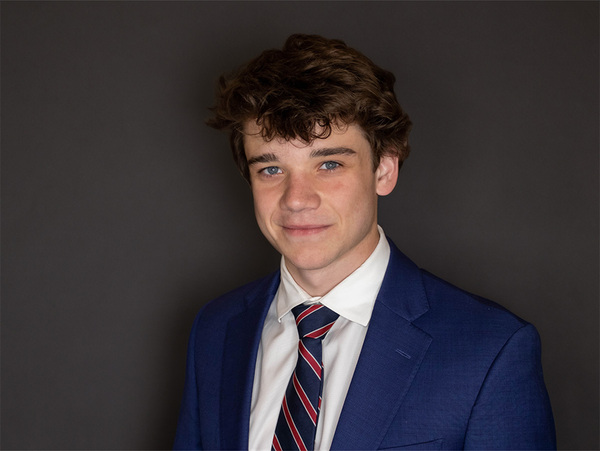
<point x="451" y="300"/>
<point x="458" y="317"/>
<point x="235" y="301"/>
<point x="433" y="300"/>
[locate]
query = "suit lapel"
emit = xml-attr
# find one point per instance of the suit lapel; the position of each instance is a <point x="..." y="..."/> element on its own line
<point x="239" y="358"/>
<point x="390" y="357"/>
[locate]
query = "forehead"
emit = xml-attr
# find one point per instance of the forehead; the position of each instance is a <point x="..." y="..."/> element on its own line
<point x="347" y="135"/>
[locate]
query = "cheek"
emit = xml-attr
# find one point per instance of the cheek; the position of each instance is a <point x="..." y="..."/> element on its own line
<point x="355" y="197"/>
<point x="359" y="209"/>
<point x="263" y="205"/>
<point x="258" y="209"/>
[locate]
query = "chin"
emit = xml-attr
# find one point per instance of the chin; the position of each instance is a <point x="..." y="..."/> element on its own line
<point x="304" y="260"/>
<point x="309" y="261"/>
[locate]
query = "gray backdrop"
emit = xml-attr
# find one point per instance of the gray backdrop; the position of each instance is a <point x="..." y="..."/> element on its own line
<point x="122" y="214"/>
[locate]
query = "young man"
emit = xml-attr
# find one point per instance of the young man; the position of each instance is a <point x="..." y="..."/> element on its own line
<point x="349" y="345"/>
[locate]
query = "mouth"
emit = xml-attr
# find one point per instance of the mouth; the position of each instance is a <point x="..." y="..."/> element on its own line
<point x="304" y="229"/>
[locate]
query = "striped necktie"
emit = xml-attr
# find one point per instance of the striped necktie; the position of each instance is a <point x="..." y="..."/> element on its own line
<point x="297" y="423"/>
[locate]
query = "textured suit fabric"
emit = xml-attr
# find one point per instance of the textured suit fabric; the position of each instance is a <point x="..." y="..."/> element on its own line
<point x="439" y="369"/>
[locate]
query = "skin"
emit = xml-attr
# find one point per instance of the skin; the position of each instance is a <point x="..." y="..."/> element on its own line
<point x="317" y="203"/>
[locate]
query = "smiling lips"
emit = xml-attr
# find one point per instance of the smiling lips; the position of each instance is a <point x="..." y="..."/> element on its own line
<point x="304" y="230"/>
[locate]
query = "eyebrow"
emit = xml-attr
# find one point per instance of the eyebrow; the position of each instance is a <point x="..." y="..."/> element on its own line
<point x="317" y="153"/>
<point x="264" y="158"/>
<point x="329" y="151"/>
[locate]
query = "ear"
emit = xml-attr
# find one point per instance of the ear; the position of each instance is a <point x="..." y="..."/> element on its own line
<point x="386" y="175"/>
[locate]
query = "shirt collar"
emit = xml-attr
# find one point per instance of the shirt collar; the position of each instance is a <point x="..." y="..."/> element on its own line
<point x="353" y="298"/>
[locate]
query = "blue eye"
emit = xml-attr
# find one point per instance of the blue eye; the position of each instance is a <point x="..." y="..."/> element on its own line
<point x="271" y="170"/>
<point x="330" y="165"/>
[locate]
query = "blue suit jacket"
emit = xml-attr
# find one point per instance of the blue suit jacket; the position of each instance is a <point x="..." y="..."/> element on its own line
<point x="439" y="369"/>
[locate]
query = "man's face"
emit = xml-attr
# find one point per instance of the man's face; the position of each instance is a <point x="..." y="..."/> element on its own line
<point x="317" y="203"/>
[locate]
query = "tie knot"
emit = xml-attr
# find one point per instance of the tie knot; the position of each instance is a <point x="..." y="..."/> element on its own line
<point x="313" y="321"/>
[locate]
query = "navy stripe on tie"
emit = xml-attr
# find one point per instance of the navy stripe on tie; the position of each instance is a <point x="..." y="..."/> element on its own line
<point x="298" y="417"/>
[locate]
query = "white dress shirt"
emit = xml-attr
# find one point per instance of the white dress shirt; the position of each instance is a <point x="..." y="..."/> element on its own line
<point x="353" y="299"/>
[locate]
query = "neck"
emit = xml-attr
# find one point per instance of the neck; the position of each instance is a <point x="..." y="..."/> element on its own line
<point x="320" y="281"/>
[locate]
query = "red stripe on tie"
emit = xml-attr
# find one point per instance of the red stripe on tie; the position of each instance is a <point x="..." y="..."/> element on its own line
<point x="320" y="332"/>
<point x="288" y="417"/>
<point x="316" y="366"/>
<point x="276" y="444"/>
<point x="307" y="312"/>
<point x="310" y="410"/>
<point x="319" y="403"/>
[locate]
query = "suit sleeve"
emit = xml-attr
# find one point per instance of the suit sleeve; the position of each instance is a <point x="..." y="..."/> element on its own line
<point x="513" y="410"/>
<point x="187" y="435"/>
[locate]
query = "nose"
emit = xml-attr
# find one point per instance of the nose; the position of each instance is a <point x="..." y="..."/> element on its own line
<point x="299" y="193"/>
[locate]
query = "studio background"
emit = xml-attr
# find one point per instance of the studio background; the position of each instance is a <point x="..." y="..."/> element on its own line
<point x="122" y="214"/>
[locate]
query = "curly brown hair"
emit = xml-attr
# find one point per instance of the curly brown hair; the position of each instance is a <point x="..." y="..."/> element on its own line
<point x="302" y="90"/>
